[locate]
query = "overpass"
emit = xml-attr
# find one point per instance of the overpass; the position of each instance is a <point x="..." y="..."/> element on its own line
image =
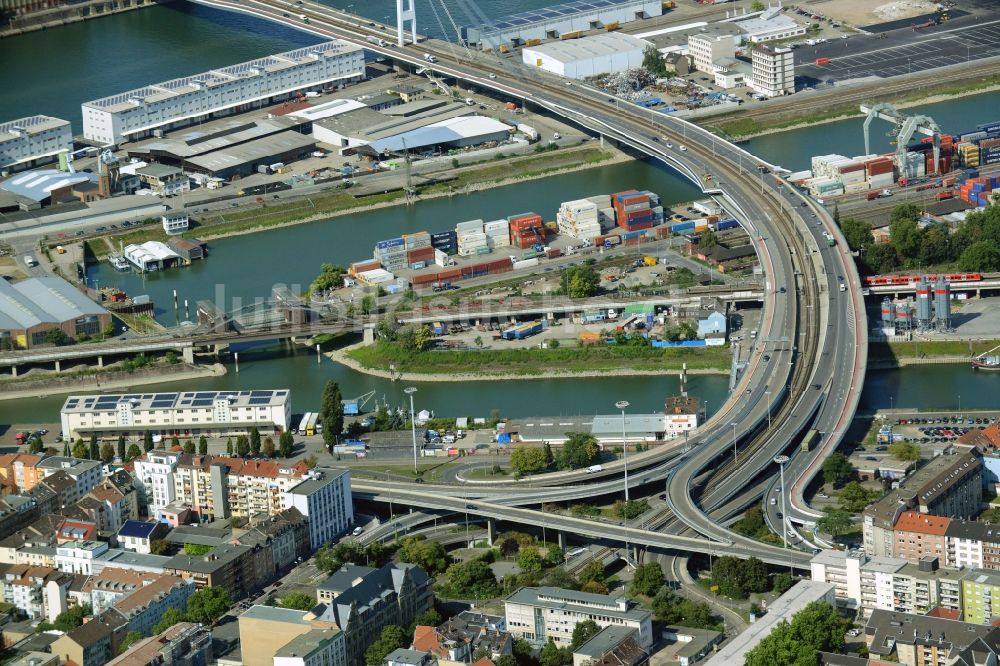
<point x="812" y="375"/>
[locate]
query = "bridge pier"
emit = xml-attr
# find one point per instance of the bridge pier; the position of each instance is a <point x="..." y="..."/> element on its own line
<point x="491" y="530"/>
<point x="13" y="370"/>
<point x="58" y="366"/>
<point x="188" y="354"/>
<point x="561" y="537"/>
<point x="100" y="361"/>
<point x="368" y="335"/>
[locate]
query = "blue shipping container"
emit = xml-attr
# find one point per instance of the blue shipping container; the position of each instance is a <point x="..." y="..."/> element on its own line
<point x="445" y="235"/>
<point x="727" y="224"/>
<point x="681" y="343"/>
<point x="682" y="226"/>
<point x="633" y="234"/>
<point x="989" y="127"/>
<point x="392" y="242"/>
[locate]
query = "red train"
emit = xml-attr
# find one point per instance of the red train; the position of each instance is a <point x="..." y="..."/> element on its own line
<point x="877" y="280"/>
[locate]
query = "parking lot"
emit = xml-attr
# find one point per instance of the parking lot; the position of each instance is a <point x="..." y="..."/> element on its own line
<point x="938" y="429"/>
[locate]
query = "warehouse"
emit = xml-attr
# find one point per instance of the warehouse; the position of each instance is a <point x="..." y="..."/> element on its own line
<point x="31" y="308"/>
<point x="151" y="256"/>
<point x="28" y="142"/>
<point x="771" y="25"/>
<point x="45" y="186"/>
<point x="589" y="56"/>
<point x="244" y="159"/>
<point x="558" y="21"/>
<point x="137" y="113"/>
<point x="363" y="126"/>
<point x="453" y="133"/>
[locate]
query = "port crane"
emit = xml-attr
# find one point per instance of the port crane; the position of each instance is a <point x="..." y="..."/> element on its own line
<point x="905" y="126"/>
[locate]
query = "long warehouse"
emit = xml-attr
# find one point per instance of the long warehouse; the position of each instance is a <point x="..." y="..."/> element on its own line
<point x="137" y="113"/>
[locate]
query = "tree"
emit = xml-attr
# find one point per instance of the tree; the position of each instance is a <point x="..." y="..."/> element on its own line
<point x="286" y="444"/>
<point x="68" y="620"/>
<point x="580" y="281"/>
<point x="905" y="451"/>
<point x="882" y="258"/>
<point x="473" y="580"/>
<point x="267" y="448"/>
<point x="857" y="233"/>
<point x="94" y="450"/>
<point x="506" y="660"/>
<point x="56" y="336"/>
<point x="197" y="549"/>
<point x="529" y="560"/>
<point x="392" y="638"/>
<point x="835" y="523"/>
<point x="756" y="6"/>
<point x="592" y="572"/>
<point x="647" y="579"/>
<point x="202" y="446"/>
<point x="36" y="445"/>
<point x="331" y="276"/>
<point x="428" y="555"/>
<point x="255" y="441"/>
<point x="133" y="452"/>
<point x="579" y="451"/>
<point x="208" y="605"/>
<point x="297" y="601"/>
<point x="990" y="516"/>
<point x="229" y="445"/>
<point x="855" y="497"/>
<point x="130" y="638"/>
<point x="80" y="449"/>
<point x="554" y="556"/>
<point x="905" y="235"/>
<point x="189" y="446"/>
<point x="630" y="509"/>
<point x="583" y="632"/>
<point x="159" y="546"/>
<point x="367" y="304"/>
<point x="935" y="246"/>
<point x="837" y="469"/>
<point x="174" y="442"/>
<point x="980" y="256"/>
<point x="708" y="240"/>
<point x="527" y="459"/>
<point x="107" y="452"/>
<point x="550" y="655"/>
<point x="737" y="578"/>
<point x="816" y="628"/>
<point x="121" y="447"/>
<point x="331" y="413"/>
<point x="170" y="617"/>
<point x="652" y="62"/>
<point x="671" y="609"/>
<point x="423" y="336"/>
<point x="242" y="446"/>
<point x="782" y="582"/>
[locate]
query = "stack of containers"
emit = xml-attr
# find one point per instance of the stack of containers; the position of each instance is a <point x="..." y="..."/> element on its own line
<point x="526" y="230"/>
<point x="826" y="186"/>
<point x="880" y="172"/>
<point x="852" y="175"/>
<point x="989" y="151"/>
<point x="359" y="267"/>
<point x="977" y="191"/>
<point x="446" y="241"/>
<point x="633" y="210"/>
<point x="968" y="154"/>
<point x="605" y="210"/>
<point x="497" y="234"/>
<point x="471" y="238"/>
<point x="391" y="254"/>
<point x="579" y="219"/>
<point x="913" y="166"/>
<point x="419" y="252"/>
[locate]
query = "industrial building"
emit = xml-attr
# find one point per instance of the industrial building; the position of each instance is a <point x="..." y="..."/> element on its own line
<point x="28" y="142"/>
<point x="711" y="43"/>
<point x="214" y="413"/>
<point x="542" y="614"/>
<point x="771" y="24"/>
<point x="33" y="189"/>
<point x="588" y="56"/>
<point x="558" y="21"/>
<point x="31" y="308"/>
<point x="452" y="133"/>
<point x="772" y="70"/>
<point x="137" y="113"/>
<point x="151" y="256"/>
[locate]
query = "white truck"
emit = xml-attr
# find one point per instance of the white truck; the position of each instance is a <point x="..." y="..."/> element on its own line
<point x="30" y="261"/>
<point x="528" y="131"/>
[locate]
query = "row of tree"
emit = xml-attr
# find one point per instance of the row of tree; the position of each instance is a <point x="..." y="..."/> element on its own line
<point x="580" y="450"/>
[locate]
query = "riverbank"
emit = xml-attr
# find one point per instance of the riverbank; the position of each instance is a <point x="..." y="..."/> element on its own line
<point x="742" y="129"/>
<point x="340" y="202"/>
<point x="380" y="360"/>
<point x="889" y="356"/>
<point x="106" y="380"/>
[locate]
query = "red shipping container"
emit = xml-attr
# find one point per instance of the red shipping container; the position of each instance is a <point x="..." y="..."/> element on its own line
<point x="553" y="252"/>
<point x="614" y="197"/>
<point x="854" y="166"/>
<point x="421" y="254"/>
<point x="449" y="273"/>
<point x="632" y="214"/>
<point x="639" y="225"/>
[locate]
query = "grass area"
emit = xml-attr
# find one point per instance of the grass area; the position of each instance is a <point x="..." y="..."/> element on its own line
<point x="535" y="361"/>
<point x="486" y="473"/>
<point x="428" y="471"/>
<point x="746" y="127"/>
<point x="923" y="349"/>
<point x="139" y="323"/>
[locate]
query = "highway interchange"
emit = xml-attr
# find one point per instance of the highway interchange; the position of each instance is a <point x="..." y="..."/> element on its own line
<point x="812" y="352"/>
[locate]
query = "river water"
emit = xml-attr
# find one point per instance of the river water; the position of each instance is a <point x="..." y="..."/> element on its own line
<point x="53" y="71"/>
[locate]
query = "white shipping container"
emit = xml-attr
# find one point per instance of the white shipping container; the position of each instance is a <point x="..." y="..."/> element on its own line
<point x="526" y="263"/>
<point x="471" y="225"/>
<point x="602" y="200"/>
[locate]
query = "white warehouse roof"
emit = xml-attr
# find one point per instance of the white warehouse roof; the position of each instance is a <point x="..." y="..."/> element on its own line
<point x="444" y="131"/>
<point x="149" y="251"/>
<point x="329" y="109"/>
<point x="588" y="56"/>
<point x="38" y="185"/>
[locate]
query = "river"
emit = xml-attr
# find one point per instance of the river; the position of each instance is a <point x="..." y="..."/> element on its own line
<point x="128" y="50"/>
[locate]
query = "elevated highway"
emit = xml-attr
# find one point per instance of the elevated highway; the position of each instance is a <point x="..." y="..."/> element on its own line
<point x="812" y="358"/>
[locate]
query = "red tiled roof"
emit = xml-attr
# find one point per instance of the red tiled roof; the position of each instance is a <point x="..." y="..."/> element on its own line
<point x="945" y="613"/>
<point x="425" y="639"/>
<point x="922" y="523"/>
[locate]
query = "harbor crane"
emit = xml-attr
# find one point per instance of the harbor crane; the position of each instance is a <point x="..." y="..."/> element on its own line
<point x="905" y="126"/>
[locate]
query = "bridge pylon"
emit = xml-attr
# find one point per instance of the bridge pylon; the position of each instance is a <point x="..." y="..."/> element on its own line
<point x="405" y="11"/>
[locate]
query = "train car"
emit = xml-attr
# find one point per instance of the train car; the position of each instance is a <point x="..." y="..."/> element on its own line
<point x="891" y="280"/>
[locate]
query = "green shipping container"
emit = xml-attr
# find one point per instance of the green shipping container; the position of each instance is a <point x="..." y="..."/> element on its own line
<point x="483" y="250"/>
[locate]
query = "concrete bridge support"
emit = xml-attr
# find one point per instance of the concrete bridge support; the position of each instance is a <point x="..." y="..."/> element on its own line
<point x="491" y="530"/>
<point x="13" y="371"/>
<point x="368" y="336"/>
<point x="188" y="354"/>
<point x="100" y="361"/>
<point x="58" y="366"/>
<point x="405" y="11"/>
<point x="561" y="536"/>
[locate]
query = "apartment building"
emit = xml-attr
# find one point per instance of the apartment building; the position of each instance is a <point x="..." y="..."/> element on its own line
<point x="144" y="607"/>
<point x="538" y="614"/>
<point x="923" y="640"/>
<point x="272" y="636"/>
<point x="188" y="414"/>
<point x="137" y="113"/>
<point x="229" y="566"/>
<point x="324" y="497"/>
<point x="105" y="589"/>
<point x="981" y="596"/>
<point x="361" y="601"/>
<point x="139" y="536"/>
<point x="29" y="142"/>
<point x="918" y="534"/>
<point x="93" y="643"/>
<point x="184" y="644"/>
<point x="21" y="469"/>
<point x="154" y="475"/>
<point x="86" y="474"/>
<point x="711" y="43"/>
<point x="772" y="70"/>
<point x="36" y="592"/>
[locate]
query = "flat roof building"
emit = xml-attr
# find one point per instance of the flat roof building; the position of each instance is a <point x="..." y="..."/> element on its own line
<point x="771" y="24"/>
<point x="589" y="56"/>
<point x="28" y="142"/>
<point x="137" y="113"/>
<point x="31" y="308"/>
<point x="151" y="256"/>
<point x="324" y="497"/>
<point x="221" y="413"/>
<point x="45" y="185"/>
<point x="245" y="159"/>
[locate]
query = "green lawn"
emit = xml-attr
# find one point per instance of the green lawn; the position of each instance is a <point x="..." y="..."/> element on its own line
<point x="922" y="349"/>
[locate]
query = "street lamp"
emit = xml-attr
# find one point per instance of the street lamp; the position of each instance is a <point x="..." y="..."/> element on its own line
<point x="733" y="423"/>
<point x="410" y="390"/>
<point x="622" y="405"/>
<point x="781" y="460"/>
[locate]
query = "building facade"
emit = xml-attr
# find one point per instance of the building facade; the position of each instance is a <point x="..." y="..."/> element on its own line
<point x="29" y="142"/>
<point x="135" y="114"/>
<point x="298" y="637"/>
<point x="324" y="497"/>
<point x="772" y="70"/>
<point x="86" y="474"/>
<point x="715" y="43"/>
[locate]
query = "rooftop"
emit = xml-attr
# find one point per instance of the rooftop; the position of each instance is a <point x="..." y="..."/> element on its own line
<point x="923" y="523"/>
<point x="555" y="597"/>
<point x="311" y="485"/>
<point x="274" y="614"/>
<point x="217" y="558"/>
<point x="39" y="300"/>
<point x="885" y="629"/>
<point x="170" y="401"/>
<point x="605" y="640"/>
<point x="13" y="129"/>
<point x="642" y="424"/>
<point x="307" y="643"/>
<point x="592" y="46"/>
<point x="555" y="12"/>
<point x="38" y="185"/>
<point x="252" y="151"/>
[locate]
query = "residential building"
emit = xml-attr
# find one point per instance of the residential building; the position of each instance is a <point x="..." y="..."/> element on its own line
<point x="184" y="644"/>
<point x="144" y="607"/>
<point x="920" y="534"/>
<point x="463" y="636"/>
<point x="614" y="645"/>
<point x="64" y="489"/>
<point x="124" y="559"/>
<point x="123" y="482"/>
<point x="175" y="223"/>
<point x="163" y="180"/>
<point x="966" y="540"/>
<point x="32" y="141"/>
<point x="154" y="476"/>
<point x="86" y="473"/>
<point x="137" y="113"/>
<point x="223" y="486"/>
<point x="361" y="601"/>
<point x="266" y="632"/>
<point x="538" y="614"/>
<point x="37" y="592"/>
<point x="16" y="512"/>
<point x="75" y="529"/>
<point x="229" y="566"/>
<point x="93" y="643"/>
<point x="33" y="658"/>
<point x="218" y="413"/>
<point x="947" y="485"/>
<point x="715" y="322"/>
<point x="288" y="532"/>
<point x="139" y="536"/>
<point x="782" y="609"/>
<point x="772" y="70"/>
<point x="409" y="657"/>
<point x="22" y="469"/>
<point x="29" y="309"/>
<point x="712" y="43"/>
<point x="36" y="556"/>
<point x="105" y="507"/>
<point x="925" y="640"/>
<point x="105" y="589"/>
<point x="324" y="497"/>
<point x="979" y="589"/>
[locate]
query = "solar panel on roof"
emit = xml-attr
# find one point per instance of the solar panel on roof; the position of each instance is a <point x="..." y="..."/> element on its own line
<point x="258" y="394"/>
<point x="201" y="402"/>
<point x="259" y="401"/>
